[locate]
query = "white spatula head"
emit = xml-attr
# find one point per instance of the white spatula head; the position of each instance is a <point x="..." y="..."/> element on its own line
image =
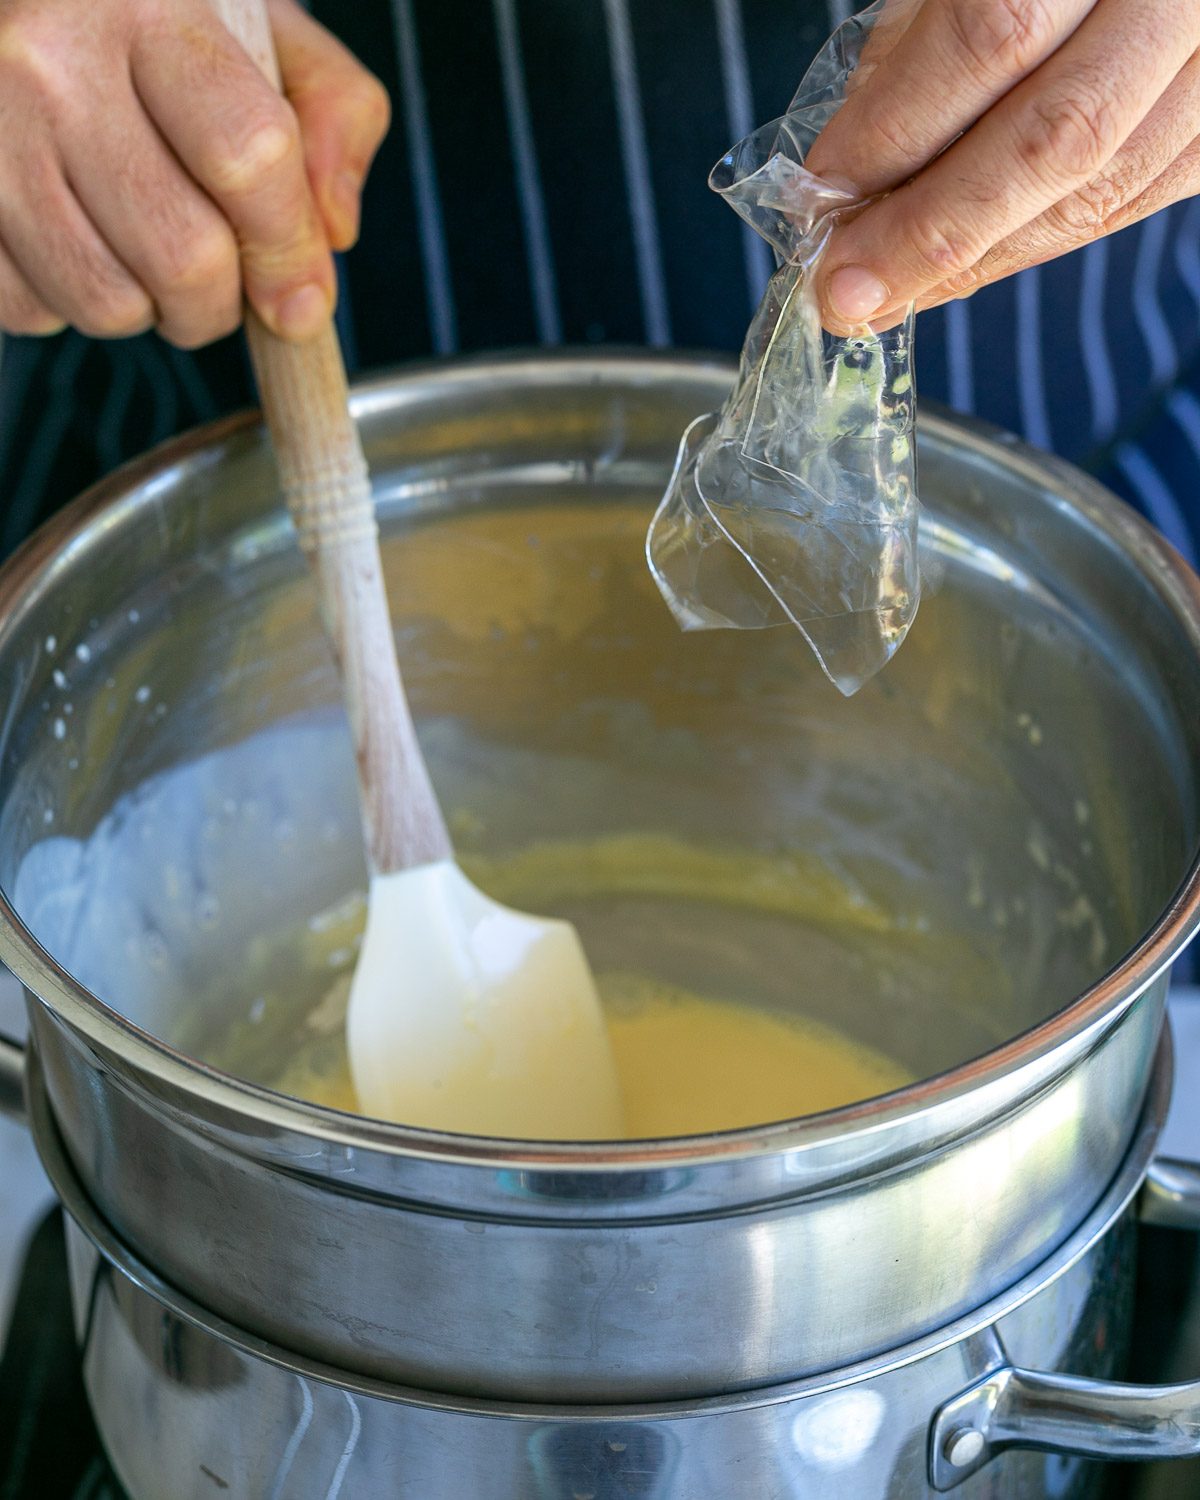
<point x="468" y="1016"/>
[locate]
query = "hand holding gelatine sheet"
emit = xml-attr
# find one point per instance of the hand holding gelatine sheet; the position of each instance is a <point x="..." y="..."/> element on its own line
<point x="797" y="501"/>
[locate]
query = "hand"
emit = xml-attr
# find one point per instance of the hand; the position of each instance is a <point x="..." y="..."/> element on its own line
<point x="151" y="176"/>
<point x="1004" y="133"/>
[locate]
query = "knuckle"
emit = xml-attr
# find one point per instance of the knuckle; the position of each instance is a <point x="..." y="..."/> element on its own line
<point x="374" y="105"/>
<point x="998" y="38"/>
<point x="1087" y="212"/>
<point x="966" y="283"/>
<point x="29" y="56"/>
<point x="21" y="313"/>
<point x="113" y="314"/>
<point x="939" y="250"/>
<point x="197" y="335"/>
<point x="197" y="261"/>
<point x="1074" y="134"/>
<point x="287" y="260"/>
<point x="104" y="301"/>
<point x="897" y="138"/>
<point x="263" y="146"/>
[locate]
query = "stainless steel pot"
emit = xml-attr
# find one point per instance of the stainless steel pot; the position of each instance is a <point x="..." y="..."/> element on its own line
<point x="1014" y="801"/>
<point x="188" y="1405"/>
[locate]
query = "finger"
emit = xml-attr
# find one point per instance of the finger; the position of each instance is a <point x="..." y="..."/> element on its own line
<point x="892" y="21"/>
<point x="344" y="113"/>
<point x="173" y="238"/>
<point x="241" y="142"/>
<point x="948" y="67"/>
<point x="1157" y="166"/>
<point x="63" y="257"/>
<point x="1181" y="180"/>
<point x="1043" y="141"/>
<point x="1116" y="196"/>
<point x="22" y="311"/>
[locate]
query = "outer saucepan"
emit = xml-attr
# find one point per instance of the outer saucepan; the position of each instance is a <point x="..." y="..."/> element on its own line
<point x="1011" y="807"/>
<point x="187" y="1404"/>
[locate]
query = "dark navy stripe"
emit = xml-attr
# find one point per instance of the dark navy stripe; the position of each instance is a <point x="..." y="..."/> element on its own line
<point x="344" y="317"/>
<point x="995" y="372"/>
<point x="960" y="356"/>
<point x="386" y="275"/>
<point x="1131" y="360"/>
<point x="431" y="230"/>
<point x="781" y="41"/>
<point x="477" y="186"/>
<point x="1094" y="350"/>
<point x="742" y="117"/>
<point x="1147" y="304"/>
<point x="543" y="278"/>
<point x="573" y="113"/>
<point x="1181" y="306"/>
<point x="1063" y="399"/>
<point x="702" y="255"/>
<point x="931" y="351"/>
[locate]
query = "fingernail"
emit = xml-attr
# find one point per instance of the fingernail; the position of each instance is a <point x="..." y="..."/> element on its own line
<point x="854" y="293"/>
<point x="302" y="312"/>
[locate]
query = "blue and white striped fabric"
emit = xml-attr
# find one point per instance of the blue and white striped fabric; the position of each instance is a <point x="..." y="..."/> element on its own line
<point x="544" y="184"/>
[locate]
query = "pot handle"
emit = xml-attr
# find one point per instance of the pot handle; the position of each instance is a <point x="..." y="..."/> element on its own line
<point x="1012" y="1408"/>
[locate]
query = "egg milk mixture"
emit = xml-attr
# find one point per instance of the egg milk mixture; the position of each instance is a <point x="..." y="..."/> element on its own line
<point x="688" y="1062"/>
<point x="686" y="1065"/>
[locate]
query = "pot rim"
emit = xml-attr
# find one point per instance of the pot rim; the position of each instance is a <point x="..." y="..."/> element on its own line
<point x="1080" y="1022"/>
<point x="1115" y="1200"/>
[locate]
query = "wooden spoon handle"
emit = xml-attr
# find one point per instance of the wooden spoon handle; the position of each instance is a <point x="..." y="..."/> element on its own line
<point x="324" y="477"/>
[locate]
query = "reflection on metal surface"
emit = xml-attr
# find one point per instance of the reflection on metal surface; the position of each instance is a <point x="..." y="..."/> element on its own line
<point x="837" y="1431"/>
<point x="638" y="1459"/>
<point x="295" y="1438"/>
<point x="12" y="1074"/>
<point x="1013" y="1408"/>
<point x="1171" y="1195"/>
<point x="205" y="1402"/>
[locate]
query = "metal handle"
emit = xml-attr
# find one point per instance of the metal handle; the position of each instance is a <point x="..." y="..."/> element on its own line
<point x="1012" y="1408"/>
<point x="1170" y="1196"/>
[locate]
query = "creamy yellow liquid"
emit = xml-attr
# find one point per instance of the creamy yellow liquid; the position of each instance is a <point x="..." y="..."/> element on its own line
<point x="688" y="1062"/>
<point x="686" y="1065"/>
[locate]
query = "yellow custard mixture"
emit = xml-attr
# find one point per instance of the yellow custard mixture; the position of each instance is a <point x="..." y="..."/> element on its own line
<point x="687" y="1065"/>
<point x="690" y="1060"/>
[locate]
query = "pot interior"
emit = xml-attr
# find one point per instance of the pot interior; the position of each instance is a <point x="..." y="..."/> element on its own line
<point x="931" y="867"/>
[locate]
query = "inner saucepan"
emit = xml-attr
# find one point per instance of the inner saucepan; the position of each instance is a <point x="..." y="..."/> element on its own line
<point x="897" y="882"/>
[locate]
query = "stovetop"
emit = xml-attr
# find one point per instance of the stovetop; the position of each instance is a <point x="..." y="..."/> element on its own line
<point x="49" y="1449"/>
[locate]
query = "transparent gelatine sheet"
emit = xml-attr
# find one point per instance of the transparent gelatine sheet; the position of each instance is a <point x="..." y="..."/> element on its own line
<point x="797" y="500"/>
